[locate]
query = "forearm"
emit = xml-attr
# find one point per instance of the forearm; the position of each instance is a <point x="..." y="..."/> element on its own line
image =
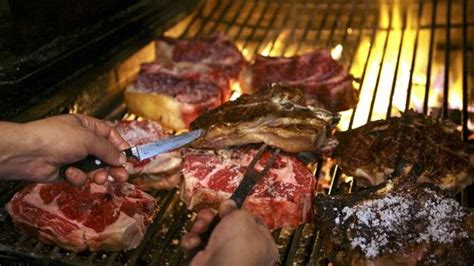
<point x="17" y="147"/>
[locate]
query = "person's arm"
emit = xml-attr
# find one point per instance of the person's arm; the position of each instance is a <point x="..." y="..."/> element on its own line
<point x="36" y="150"/>
<point x="237" y="240"/>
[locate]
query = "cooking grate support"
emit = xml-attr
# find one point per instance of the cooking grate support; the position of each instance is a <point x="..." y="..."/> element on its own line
<point x="287" y="27"/>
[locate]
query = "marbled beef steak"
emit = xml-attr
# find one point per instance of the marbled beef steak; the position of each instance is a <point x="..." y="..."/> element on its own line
<point x="93" y="217"/>
<point x="326" y="83"/>
<point x="282" y="198"/>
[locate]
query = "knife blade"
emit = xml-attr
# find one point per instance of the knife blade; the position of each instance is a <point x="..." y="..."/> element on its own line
<point x="140" y="152"/>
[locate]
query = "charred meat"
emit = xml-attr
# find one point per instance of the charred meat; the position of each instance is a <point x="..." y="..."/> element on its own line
<point x="395" y="225"/>
<point x="275" y="115"/>
<point x="372" y="152"/>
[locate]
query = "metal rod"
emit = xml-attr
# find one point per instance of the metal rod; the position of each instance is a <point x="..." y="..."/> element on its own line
<point x="236" y="15"/>
<point x="276" y="34"/>
<point x="447" y="62"/>
<point x="321" y="26"/>
<point x="269" y="27"/>
<point x="222" y="15"/>
<point x="334" y="25"/>
<point x="193" y="20"/>
<point x="246" y="19"/>
<point x="381" y="64"/>
<point x="465" y="67"/>
<point x="430" y="58"/>
<point x="392" y="91"/>
<point x="372" y="38"/>
<point x="289" y="38"/>
<point x="257" y="25"/>
<point x="415" y="49"/>
<point x="206" y="19"/>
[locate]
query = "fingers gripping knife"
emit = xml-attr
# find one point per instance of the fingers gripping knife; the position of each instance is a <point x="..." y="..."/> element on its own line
<point x="249" y="180"/>
<point x="140" y="152"/>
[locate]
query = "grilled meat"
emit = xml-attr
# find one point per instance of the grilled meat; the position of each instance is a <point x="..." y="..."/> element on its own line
<point x="370" y="153"/>
<point x="188" y="77"/>
<point x="275" y="115"/>
<point x="395" y="224"/>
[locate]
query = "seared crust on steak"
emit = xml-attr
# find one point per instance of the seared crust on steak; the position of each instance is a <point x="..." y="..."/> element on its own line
<point x="370" y="153"/>
<point x="395" y="224"/>
<point x="275" y="115"/>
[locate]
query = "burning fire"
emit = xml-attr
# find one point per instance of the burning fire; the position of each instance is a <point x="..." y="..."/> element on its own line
<point x="383" y="63"/>
<point x="380" y="58"/>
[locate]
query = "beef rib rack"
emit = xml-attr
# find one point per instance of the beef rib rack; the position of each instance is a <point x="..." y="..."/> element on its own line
<point x="282" y="198"/>
<point x="93" y="217"/>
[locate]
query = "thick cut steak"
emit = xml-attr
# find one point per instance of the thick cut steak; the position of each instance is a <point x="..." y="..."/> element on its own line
<point x="275" y="115"/>
<point x="159" y="172"/>
<point x="216" y="53"/>
<point x="371" y="153"/>
<point x="173" y="98"/>
<point x="187" y="78"/>
<point x="282" y="198"/>
<point x="326" y="83"/>
<point x="93" y="217"/>
<point x="392" y="224"/>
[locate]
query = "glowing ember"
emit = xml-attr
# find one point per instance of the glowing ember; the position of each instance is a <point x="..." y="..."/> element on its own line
<point x="236" y="90"/>
<point x="336" y="52"/>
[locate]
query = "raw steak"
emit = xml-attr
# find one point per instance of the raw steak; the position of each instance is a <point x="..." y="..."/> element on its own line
<point x="326" y="83"/>
<point x="275" y="115"/>
<point x="395" y="224"/>
<point x="371" y="153"/>
<point x="159" y="172"/>
<point x="282" y="198"/>
<point x="93" y="217"/>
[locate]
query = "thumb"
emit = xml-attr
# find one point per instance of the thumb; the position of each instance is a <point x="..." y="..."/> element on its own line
<point x="227" y="207"/>
<point x="104" y="150"/>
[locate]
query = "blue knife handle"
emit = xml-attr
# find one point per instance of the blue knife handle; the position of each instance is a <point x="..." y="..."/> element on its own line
<point x="91" y="163"/>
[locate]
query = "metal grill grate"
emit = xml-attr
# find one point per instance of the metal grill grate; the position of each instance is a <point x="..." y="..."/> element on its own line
<point x="406" y="54"/>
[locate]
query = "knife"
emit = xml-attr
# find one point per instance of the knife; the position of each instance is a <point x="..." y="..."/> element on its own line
<point x="140" y="152"/>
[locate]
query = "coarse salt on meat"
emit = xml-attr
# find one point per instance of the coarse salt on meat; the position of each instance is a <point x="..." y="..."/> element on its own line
<point x="326" y="83"/>
<point x="282" y="198"/>
<point x="158" y="172"/>
<point x="92" y="217"/>
<point x="388" y="219"/>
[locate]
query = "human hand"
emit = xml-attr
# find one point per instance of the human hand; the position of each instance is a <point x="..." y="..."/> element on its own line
<point x="36" y="150"/>
<point x="237" y="240"/>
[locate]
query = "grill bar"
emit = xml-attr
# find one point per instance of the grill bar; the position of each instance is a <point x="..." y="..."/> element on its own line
<point x="447" y="57"/>
<point x="430" y="57"/>
<point x="372" y="38"/>
<point x="394" y="82"/>
<point x="465" y="61"/>
<point x="415" y="49"/>
<point x="381" y="65"/>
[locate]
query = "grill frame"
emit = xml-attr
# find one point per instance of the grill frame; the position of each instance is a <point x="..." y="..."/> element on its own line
<point x="301" y="245"/>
